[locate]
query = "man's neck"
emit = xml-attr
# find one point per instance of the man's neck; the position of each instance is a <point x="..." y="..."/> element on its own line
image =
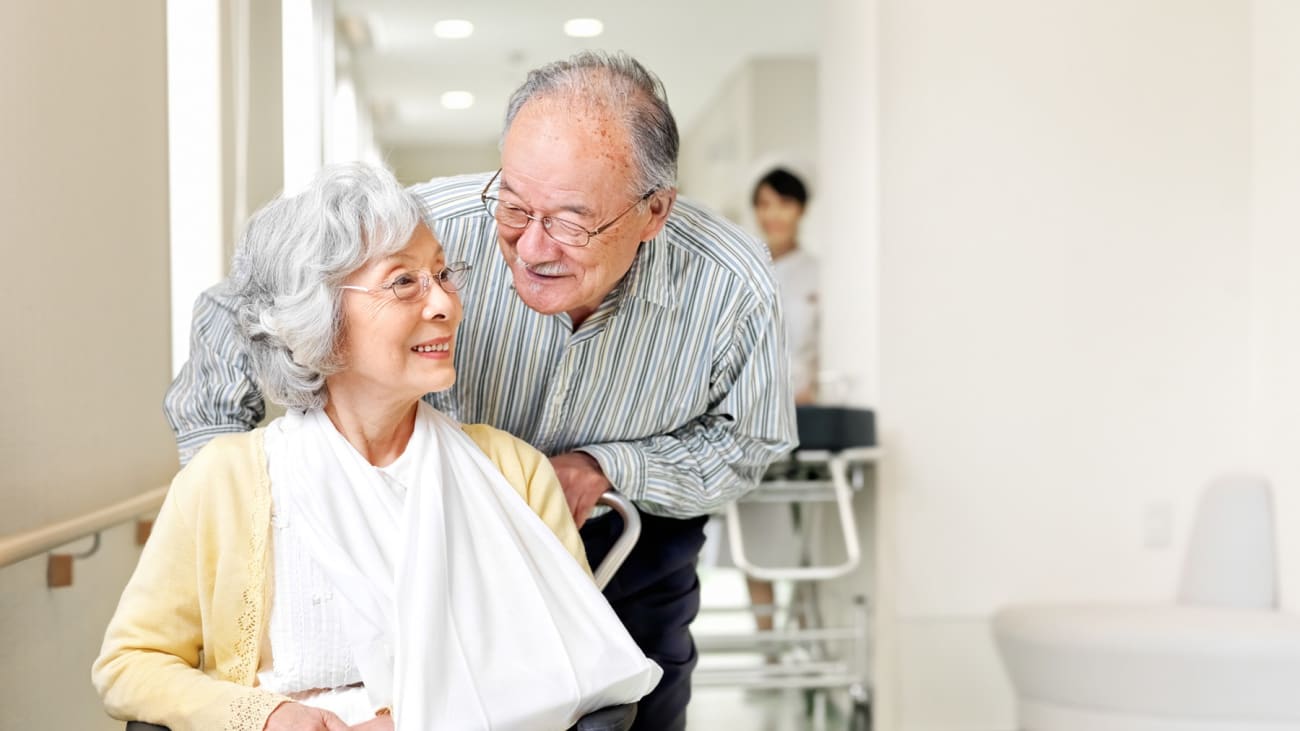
<point x="579" y="316"/>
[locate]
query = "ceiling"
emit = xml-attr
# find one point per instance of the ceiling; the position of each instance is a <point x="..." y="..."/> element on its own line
<point x="691" y="44"/>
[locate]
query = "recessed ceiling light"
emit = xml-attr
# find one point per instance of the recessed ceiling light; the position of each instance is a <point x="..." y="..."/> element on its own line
<point x="457" y="99"/>
<point x="583" y="27"/>
<point x="453" y="28"/>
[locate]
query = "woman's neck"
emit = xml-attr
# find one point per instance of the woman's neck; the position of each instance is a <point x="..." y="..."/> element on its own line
<point x="379" y="429"/>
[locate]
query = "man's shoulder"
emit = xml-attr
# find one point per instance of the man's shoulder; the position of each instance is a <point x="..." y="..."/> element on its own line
<point x="719" y="247"/>
<point x="451" y="197"/>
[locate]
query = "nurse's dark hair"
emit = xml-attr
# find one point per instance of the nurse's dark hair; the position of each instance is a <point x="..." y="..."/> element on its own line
<point x="785" y="183"/>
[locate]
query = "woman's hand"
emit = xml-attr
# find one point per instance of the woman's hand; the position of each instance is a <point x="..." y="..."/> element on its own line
<point x="378" y="723"/>
<point x="297" y="717"/>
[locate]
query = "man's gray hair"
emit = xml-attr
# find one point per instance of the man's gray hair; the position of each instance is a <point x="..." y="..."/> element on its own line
<point x="620" y="84"/>
<point x="294" y="254"/>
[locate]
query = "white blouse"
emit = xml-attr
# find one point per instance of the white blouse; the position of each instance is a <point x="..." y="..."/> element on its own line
<point x="797" y="279"/>
<point x="306" y="655"/>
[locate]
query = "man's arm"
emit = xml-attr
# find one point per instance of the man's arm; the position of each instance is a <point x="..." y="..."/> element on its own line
<point x="214" y="392"/>
<point x="720" y="455"/>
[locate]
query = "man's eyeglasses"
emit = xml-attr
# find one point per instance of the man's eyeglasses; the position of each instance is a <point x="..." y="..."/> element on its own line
<point x="415" y="284"/>
<point x="562" y="231"/>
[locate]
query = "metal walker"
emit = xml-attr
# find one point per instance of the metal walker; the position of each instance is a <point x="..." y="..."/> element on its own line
<point x="837" y="452"/>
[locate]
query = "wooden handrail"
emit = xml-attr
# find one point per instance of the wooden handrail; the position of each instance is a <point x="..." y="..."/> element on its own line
<point x="22" y="546"/>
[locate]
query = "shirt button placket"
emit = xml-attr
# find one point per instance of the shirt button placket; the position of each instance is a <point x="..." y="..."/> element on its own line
<point x="558" y="392"/>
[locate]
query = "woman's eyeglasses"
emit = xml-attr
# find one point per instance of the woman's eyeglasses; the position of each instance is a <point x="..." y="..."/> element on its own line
<point x="415" y="284"/>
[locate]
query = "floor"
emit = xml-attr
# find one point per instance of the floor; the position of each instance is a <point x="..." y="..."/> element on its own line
<point x="737" y="709"/>
<point x="742" y="710"/>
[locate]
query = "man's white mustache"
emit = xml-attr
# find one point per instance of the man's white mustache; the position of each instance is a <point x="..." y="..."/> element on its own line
<point x="546" y="269"/>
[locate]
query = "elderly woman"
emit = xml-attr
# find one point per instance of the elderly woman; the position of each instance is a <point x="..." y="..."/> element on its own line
<point x="364" y="561"/>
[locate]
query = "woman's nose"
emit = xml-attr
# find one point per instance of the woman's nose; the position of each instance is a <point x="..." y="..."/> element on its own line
<point x="439" y="304"/>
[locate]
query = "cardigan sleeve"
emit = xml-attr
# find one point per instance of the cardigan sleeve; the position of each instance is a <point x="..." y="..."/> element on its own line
<point x="530" y="473"/>
<point x="148" y="667"/>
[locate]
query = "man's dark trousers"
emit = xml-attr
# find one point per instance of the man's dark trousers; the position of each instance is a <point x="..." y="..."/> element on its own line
<point x="657" y="595"/>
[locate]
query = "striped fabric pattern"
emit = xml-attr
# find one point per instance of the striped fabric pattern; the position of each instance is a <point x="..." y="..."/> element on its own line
<point x="678" y="384"/>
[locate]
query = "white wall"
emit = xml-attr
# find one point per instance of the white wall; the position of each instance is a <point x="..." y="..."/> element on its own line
<point x="225" y="122"/>
<point x="259" y="177"/>
<point x="83" y="197"/>
<point x="1275" y="269"/>
<point x="848" y="158"/>
<point x="1065" y="312"/>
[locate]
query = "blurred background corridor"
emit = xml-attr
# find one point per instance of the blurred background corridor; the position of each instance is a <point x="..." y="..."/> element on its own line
<point x="1059" y="243"/>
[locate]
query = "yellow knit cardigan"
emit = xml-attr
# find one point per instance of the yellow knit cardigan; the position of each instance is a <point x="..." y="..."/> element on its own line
<point x="182" y="650"/>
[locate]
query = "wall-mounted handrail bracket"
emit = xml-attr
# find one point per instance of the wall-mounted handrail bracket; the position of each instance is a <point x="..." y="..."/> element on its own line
<point x="94" y="546"/>
<point x="58" y="567"/>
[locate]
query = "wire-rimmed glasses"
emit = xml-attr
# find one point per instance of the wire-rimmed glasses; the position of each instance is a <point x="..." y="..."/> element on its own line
<point x="562" y="231"/>
<point x="415" y="284"/>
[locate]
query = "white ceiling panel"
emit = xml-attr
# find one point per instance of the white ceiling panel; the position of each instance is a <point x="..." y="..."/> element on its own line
<point x="692" y="46"/>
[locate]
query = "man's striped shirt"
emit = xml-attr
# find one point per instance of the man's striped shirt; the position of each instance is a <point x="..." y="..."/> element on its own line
<point x="678" y="384"/>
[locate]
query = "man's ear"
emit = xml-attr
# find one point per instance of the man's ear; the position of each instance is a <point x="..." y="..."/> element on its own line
<point x="661" y="204"/>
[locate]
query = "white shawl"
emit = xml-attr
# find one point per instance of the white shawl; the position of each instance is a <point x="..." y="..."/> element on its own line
<point x="463" y="609"/>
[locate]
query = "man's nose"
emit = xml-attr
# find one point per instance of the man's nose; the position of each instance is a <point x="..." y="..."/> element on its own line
<point x="534" y="245"/>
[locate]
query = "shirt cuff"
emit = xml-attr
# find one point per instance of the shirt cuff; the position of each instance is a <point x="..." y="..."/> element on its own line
<point x="623" y="464"/>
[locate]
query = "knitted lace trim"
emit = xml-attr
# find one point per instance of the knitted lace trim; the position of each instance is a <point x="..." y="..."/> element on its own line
<point x="250" y="711"/>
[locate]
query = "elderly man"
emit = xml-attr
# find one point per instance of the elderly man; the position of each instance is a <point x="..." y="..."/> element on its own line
<point x="634" y="338"/>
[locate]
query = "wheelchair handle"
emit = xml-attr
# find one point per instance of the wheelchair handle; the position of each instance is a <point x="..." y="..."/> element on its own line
<point x="618" y="553"/>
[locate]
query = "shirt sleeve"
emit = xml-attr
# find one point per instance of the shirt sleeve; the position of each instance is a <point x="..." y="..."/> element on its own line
<point x="214" y="393"/>
<point x="719" y="456"/>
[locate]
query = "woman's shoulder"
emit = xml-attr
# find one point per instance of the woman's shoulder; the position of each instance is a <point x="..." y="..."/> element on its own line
<point x="504" y="448"/>
<point x="236" y="462"/>
<point x="227" y="451"/>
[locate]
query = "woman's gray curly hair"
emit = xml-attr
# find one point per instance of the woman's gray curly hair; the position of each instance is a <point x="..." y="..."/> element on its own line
<point x="294" y="254"/>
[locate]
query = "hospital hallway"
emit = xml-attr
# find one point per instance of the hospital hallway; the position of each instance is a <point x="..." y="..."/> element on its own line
<point x="1046" y="250"/>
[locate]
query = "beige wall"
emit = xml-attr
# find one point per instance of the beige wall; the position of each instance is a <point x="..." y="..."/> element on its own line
<point x="85" y="211"/>
<point x="83" y="195"/>
<point x="416" y="164"/>
<point x="764" y="114"/>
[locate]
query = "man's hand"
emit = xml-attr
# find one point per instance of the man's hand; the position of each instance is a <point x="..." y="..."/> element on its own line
<point x="582" y="480"/>
<point x="297" y="717"/>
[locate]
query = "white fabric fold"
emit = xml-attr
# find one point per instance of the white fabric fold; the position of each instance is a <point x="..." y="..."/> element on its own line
<point x="464" y="611"/>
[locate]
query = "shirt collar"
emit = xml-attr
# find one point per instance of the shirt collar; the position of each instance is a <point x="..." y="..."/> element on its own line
<point x="651" y="277"/>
